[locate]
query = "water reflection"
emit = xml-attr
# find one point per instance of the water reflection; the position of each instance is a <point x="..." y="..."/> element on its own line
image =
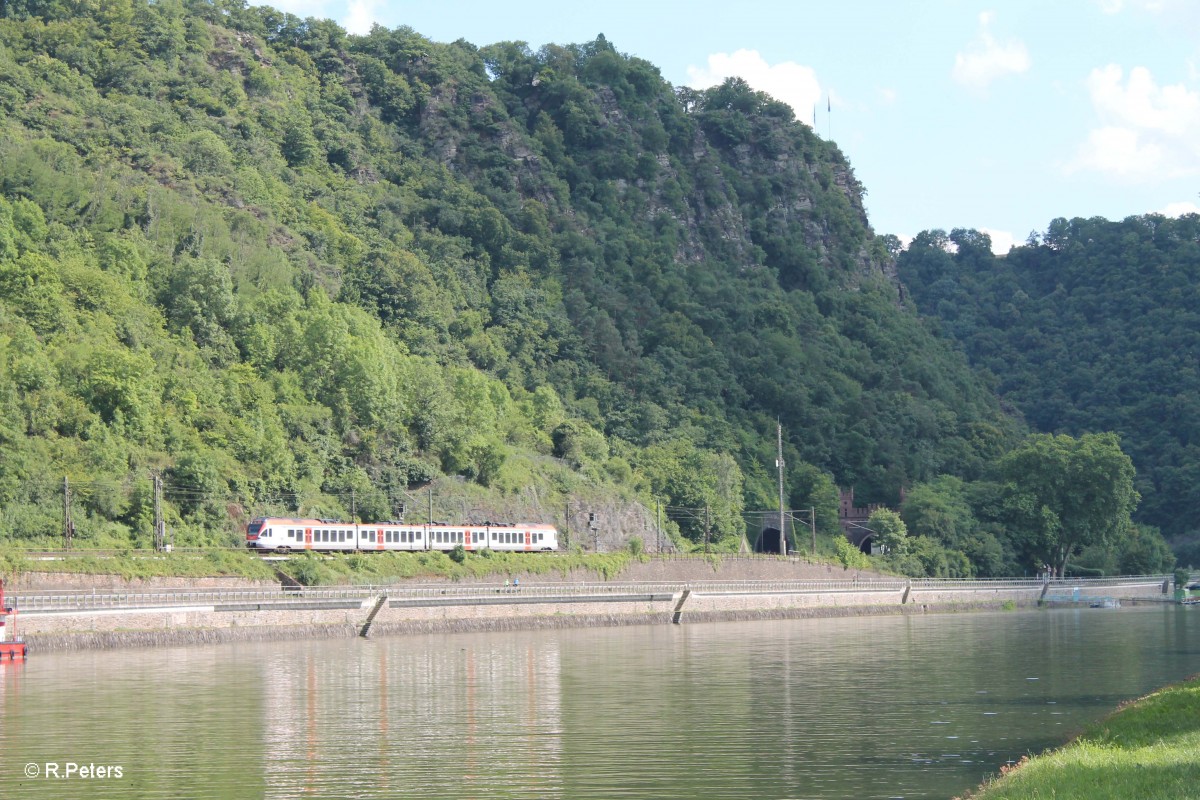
<point x="451" y="716"/>
<point x="885" y="707"/>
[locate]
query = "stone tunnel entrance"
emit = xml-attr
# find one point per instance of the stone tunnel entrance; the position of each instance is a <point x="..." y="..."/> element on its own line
<point x="768" y="541"/>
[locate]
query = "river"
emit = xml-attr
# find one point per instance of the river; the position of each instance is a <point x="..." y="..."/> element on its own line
<point x="869" y="707"/>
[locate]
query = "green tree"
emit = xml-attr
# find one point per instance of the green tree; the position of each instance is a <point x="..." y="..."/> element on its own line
<point x="1060" y="494"/>
<point x="890" y="531"/>
<point x="939" y="509"/>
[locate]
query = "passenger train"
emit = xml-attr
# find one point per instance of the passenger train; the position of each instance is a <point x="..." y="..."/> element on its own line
<point x="282" y="535"/>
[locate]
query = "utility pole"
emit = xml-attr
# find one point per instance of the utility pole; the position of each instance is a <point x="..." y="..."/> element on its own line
<point x="160" y="525"/>
<point x="353" y="506"/>
<point x="779" y="466"/>
<point x="812" y="523"/>
<point x="430" y="505"/>
<point x="658" y="522"/>
<point x="567" y="527"/>
<point x="68" y="523"/>
<point x="706" y="528"/>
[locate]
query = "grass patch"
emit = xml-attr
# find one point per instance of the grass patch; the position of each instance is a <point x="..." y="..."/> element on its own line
<point x="132" y="564"/>
<point x="1146" y="750"/>
<point x="360" y="568"/>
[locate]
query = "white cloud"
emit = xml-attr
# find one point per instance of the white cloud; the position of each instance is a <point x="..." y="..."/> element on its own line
<point x="321" y="9"/>
<point x="357" y="18"/>
<point x="1145" y="132"/>
<point x="887" y="96"/>
<point x="360" y="16"/>
<point x="1118" y="151"/>
<point x="794" y="84"/>
<point x="1002" y="241"/>
<point x="1153" y="6"/>
<point x="985" y="59"/>
<point x="1179" y="209"/>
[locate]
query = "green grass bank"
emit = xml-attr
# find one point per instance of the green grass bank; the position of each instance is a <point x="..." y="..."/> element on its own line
<point x="1147" y="750"/>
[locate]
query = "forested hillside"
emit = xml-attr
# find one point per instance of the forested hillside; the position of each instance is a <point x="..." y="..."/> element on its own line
<point x="296" y="270"/>
<point x="1094" y="325"/>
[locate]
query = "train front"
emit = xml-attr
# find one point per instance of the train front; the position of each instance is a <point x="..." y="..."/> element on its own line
<point x="252" y="534"/>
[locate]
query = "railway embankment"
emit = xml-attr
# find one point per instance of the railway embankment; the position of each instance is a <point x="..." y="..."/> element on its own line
<point x="82" y="619"/>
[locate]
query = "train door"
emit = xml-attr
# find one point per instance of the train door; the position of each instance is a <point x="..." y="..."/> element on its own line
<point x="528" y="537"/>
<point x="379" y="544"/>
<point x="308" y="538"/>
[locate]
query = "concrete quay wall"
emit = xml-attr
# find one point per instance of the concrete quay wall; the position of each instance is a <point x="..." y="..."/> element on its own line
<point x="289" y="617"/>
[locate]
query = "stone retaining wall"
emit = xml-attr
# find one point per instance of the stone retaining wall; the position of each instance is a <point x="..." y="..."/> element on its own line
<point x="136" y="627"/>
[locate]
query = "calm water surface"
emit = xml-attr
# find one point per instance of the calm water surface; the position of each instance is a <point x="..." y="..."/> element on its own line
<point x="878" y="707"/>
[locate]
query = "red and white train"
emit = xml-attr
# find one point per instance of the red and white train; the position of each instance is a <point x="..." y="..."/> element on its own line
<point x="283" y="535"/>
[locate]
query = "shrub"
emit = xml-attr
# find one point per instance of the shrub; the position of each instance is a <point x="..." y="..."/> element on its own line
<point x="850" y="556"/>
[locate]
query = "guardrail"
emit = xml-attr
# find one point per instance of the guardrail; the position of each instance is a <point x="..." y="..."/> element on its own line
<point x="88" y="600"/>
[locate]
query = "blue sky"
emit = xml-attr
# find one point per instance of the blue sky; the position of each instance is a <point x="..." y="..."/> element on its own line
<point x="997" y="116"/>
